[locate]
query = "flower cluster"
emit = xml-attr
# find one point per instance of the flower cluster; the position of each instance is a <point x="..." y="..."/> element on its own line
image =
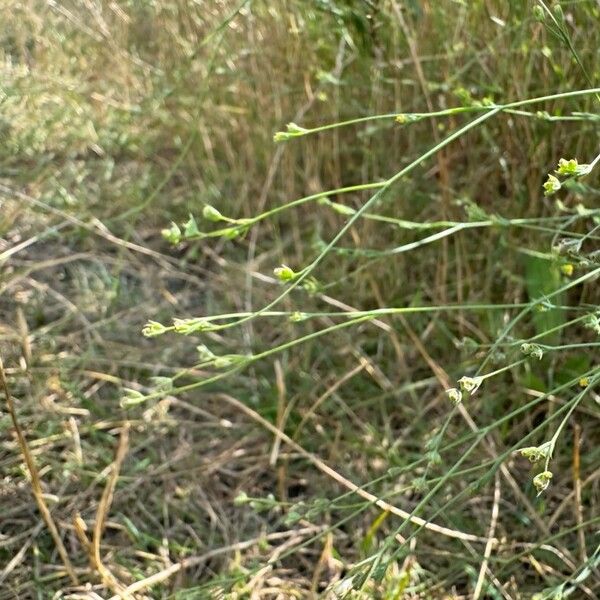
<point x="175" y="234"/>
<point x="292" y="131"/>
<point x="568" y="169"/>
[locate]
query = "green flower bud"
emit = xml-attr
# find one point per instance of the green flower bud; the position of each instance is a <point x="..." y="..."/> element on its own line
<point x="131" y="398"/>
<point x="543" y="306"/>
<point x="263" y="504"/>
<point x="222" y="362"/>
<point x="188" y="326"/>
<point x="469" y="344"/>
<point x="210" y="213"/>
<point x="532" y="350"/>
<point x="204" y="354"/>
<point x="284" y="274"/>
<point x="538" y="13"/>
<point x="470" y="384"/>
<point x="454" y="395"/>
<point x="405" y="118"/>
<point x="542" y="481"/>
<point x="298" y="316"/>
<point x="537" y="453"/>
<point x="551" y="186"/>
<point x="231" y="233"/>
<point x="173" y="234"/>
<point x="280" y="136"/>
<point x="190" y="228"/>
<point x="241" y="499"/>
<point x="567" y="167"/>
<point x="153" y="328"/>
<point x="293" y="130"/>
<point x="341" y="208"/>
<point x="433" y="458"/>
<point x="572" y="168"/>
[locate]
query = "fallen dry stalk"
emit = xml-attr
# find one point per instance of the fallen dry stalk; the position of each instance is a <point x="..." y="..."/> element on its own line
<point x="35" y="480"/>
<point x="350" y="485"/>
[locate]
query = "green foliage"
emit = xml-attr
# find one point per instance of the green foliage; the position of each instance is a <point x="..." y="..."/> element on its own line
<point x="542" y="280"/>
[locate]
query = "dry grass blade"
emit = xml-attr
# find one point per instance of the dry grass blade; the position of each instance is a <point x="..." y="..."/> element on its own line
<point x="577" y="491"/>
<point x="490" y="544"/>
<point x="35" y="480"/>
<point x="103" y="507"/>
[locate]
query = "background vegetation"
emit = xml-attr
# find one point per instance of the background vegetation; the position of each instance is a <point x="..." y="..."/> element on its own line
<point x="281" y="456"/>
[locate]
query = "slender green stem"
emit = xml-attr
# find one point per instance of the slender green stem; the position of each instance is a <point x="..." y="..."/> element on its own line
<point x="565" y="420"/>
<point x="509" y="327"/>
<point x="479" y="435"/>
<point x="374" y="313"/>
<point x="408" y="118"/>
<point x="503" y="369"/>
<point x="256" y="357"/>
<point x="492" y="111"/>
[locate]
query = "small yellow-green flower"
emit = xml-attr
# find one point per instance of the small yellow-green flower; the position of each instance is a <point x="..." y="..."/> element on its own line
<point x="404" y="118"/>
<point x="536" y="453"/>
<point x="454" y="395"/>
<point x="284" y="273"/>
<point x="542" y="481"/>
<point x="293" y="130"/>
<point x="551" y="186"/>
<point x="532" y="350"/>
<point x="567" y="269"/>
<point x="572" y="168"/>
<point x="567" y="167"/>
<point x="469" y="384"/>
